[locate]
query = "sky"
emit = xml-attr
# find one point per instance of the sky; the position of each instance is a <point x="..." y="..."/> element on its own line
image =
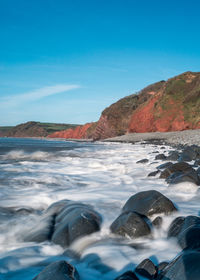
<point x="65" y="61"/>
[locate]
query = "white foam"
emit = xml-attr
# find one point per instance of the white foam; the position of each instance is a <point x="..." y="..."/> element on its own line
<point x="103" y="175"/>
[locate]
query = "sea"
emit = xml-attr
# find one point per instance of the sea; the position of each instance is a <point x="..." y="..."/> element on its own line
<point x="34" y="173"/>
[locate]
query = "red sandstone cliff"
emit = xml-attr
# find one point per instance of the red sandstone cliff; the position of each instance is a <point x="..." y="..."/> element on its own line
<point x="164" y="106"/>
<point x="77" y="133"/>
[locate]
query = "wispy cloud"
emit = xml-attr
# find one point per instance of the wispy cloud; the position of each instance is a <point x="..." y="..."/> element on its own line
<point x="35" y="95"/>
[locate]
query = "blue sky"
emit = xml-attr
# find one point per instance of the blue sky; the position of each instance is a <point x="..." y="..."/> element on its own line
<point x="66" y="60"/>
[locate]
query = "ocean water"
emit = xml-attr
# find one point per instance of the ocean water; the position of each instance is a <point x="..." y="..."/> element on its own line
<point x="36" y="173"/>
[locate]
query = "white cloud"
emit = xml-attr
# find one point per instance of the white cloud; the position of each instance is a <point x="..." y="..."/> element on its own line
<point x="35" y="95"/>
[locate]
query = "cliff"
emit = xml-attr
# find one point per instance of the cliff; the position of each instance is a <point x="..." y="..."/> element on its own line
<point x="33" y="129"/>
<point x="164" y="106"/>
<point x="79" y="132"/>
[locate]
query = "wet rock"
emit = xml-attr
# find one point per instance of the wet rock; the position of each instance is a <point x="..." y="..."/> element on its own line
<point x="160" y="157"/>
<point x="161" y="266"/>
<point x="188" y="154"/>
<point x="131" y="224"/>
<point x="187" y="232"/>
<point x="73" y="222"/>
<point x="56" y="207"/>
<point x="179" y="177"/>
<point x="176" y="167"/>
<point x="129" y="275"/>
<point x="149" y="203"/>
<point x="173" y="156"/>
<point x="175" y="227"/>
<point x="184" y="267"/>
<point x="154" y="173"/>
<point x="164" y="165"/>
<point x="146" y="269"/>
<point x="60" y="270"/>
<point x="157" y="222"/>
<point x="41" y="230"/>
<point x="197" y="163"/>
<point x="145" y="160"/>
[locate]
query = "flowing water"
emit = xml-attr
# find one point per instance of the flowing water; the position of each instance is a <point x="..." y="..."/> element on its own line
<point x="36" y="173"/>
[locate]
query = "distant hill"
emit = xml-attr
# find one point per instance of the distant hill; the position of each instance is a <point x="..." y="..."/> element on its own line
<point x="170" y="105"/>
<point x="33" y="129"/>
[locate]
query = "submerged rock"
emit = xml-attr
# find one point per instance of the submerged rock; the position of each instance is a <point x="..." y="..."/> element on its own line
<point x="60" y="270"/>
<point x="149" y="203"/>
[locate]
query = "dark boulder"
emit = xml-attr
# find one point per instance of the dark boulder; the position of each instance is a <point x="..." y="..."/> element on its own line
<point x="160" y="157"/>
<point x="129" y="275"/>
<point x="179" y="177"/>
<point x="145" y="160"/>
<point x="184" y="267"/>
<point x="73" y="222"/>
<point x="154" y="173"/>
<point x="188" y="154"/>
<point x="164" y="165"/>
<point x="131" y="224"/>
<point x="149" y="203"/>
<point x="187" y="232"/>
<point x="60" y="270"/>
<point x="173" y="156"/>
<point x="175" y="227"/>
<point x="176" y="167"/>
<point x="146" y="269"/>
<point x="161" y="266"/>
<point x="157" y="222"/>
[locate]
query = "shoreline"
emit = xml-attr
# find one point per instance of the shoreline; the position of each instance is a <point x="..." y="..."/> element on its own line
<point x="185" y="137"/>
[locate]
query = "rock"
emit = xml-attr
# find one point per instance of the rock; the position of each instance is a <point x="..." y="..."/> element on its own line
<point x="161" y="266"/>
<point x="188" y="154"/>
<point x="187" y="232"/>
<point x="131" y="224"/>
<point x="145" y="160"/>
<point x="60" y="270"/>
<point x="129" y="275"/>
<point x="165" y="165"/>
<point x="146" y="269"/>
<point x="178" y="177"/>
<point x="160" y="157"/>
<point x="41" y="230"/>
<point x="73" y="222"/>
<point x="175" y="227"/>
<point x="180" y="167"/>
<point x="184" y="267"/>
<point x="56" y="207"/>
<point x="157" y="222"/>
<point x="174" y="155"/>
<point x="154" y="173"/>
<point x="149" y="203"/>
<point x="197" y="163"/>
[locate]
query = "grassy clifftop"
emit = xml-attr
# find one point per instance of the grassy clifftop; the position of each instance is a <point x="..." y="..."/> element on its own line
<point x="34" y="129"/>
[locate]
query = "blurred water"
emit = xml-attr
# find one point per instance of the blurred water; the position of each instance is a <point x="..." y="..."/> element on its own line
<point x="35" y="173"/>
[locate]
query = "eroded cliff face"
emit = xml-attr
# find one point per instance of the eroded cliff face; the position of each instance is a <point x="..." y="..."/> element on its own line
<point x="80" y="132"/>
<point x="175" y="107"/>
<point x="164" y="106"/>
